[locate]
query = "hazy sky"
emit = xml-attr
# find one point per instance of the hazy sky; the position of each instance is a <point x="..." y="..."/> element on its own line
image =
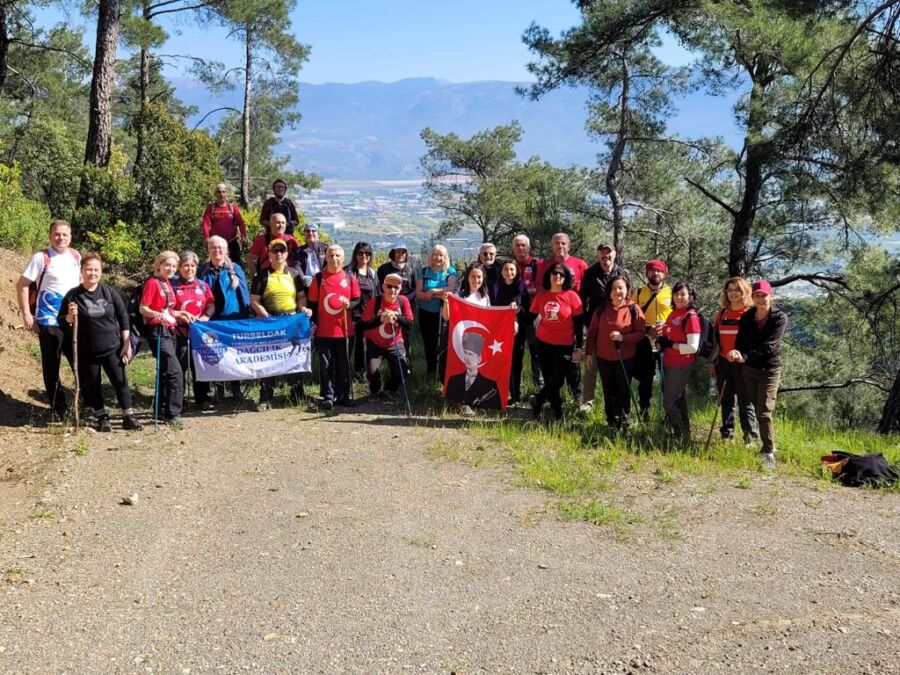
<point x="388" y="40"/>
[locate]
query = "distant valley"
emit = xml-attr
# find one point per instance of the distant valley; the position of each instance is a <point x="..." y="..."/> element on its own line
<point x="370" y="130"/>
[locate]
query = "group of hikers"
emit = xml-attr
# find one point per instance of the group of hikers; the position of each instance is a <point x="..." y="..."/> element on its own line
<point x="578" y="321"/>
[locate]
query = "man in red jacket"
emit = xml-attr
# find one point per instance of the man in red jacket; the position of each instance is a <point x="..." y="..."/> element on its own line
<point x="223" y="218"/>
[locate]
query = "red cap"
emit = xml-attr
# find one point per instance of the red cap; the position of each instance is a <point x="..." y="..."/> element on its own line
<point x="657" y="264"/>
<point x="762" y="286"/>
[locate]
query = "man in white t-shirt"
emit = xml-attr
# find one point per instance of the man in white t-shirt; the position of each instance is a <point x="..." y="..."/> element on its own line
<point x="55" y="270"/>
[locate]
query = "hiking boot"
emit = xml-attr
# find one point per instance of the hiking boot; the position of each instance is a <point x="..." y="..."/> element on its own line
<point x="466" y="411"/>
<point x="586" y="407"/>
<point x="102" y="423"/>
<point x="262" y="406"/>
<point x="768" y="461"/>
<point x="175" y="421"/>
<point x="326" y="404"/>
<point x="206" y="406"/>
<point x="131" y="423"/>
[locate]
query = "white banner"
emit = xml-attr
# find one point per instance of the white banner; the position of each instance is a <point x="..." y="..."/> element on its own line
<point x="248" y="349"/>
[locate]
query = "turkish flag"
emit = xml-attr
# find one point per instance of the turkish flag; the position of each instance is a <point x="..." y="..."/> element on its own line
<point x="479" y="354"/>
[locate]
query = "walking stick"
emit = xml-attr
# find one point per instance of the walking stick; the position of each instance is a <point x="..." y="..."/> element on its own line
<point x="77" y="379"/>
<point x="402" y="375"/>
<point x="627" y="380"/>
<point x="347" y="349"/>
<point x="156" y="385"/>
<point x="715" y="415"/>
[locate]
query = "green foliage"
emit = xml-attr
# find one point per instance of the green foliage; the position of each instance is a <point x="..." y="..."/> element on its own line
<point x="23" y="223"/>
<point x="174" y="182"/>
<point x="117" y="244"/>
<point x="477" y="181"/>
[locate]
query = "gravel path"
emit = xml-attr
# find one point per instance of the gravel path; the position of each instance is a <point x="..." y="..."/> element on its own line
<point x="346" y="546"/>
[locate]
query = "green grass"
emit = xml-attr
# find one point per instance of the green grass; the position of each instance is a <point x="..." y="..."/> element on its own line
<point x="43" y="514"/>
<point x="80" y="449"/>
<point x="587" y="468"/>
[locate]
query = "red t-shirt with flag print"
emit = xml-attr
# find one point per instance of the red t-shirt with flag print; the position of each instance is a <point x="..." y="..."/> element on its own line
<point x="381" y="336"/>
<point x="327" y="289"/>
<point x="192" y="297"/>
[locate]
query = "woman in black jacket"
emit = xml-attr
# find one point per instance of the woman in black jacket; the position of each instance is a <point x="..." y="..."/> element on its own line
<point x="758" y="348"/>
<point x="103" y="341"/>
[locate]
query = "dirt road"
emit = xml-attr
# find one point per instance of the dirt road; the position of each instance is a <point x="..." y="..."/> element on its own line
<point x="281" y="542"/>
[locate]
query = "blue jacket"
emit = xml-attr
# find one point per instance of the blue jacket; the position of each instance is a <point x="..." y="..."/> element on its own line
<point x="231" y="303"/>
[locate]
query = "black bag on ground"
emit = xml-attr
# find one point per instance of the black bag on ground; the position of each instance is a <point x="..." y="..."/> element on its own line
<point x="861" y="470"/>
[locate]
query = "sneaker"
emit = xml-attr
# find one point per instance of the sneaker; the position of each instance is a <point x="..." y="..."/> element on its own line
<point x="586" y="407"/>
<point x="174" y="421"/>
<point x="768" y="460"/>
<point x="326" y="405"/>
<point x="262" y="406"/>
<point x="466" y="411"/>
<point x="102" y="423"/>
<point x="206" y="405"/>
<point x="131" y="423"/>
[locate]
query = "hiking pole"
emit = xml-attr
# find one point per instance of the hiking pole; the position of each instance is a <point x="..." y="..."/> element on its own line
<point x="402" y="375"/>
<point x="156" y="386"/>
<point x="715" y="414"/>
<point x="77" y="379"/>
<point x="627" y="380"/>
<point x="347" y="349"/>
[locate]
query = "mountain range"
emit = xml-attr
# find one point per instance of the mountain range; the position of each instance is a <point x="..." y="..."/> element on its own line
<point x="370" y="130"/>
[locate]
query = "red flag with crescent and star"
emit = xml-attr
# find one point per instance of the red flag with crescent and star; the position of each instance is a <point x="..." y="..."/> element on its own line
<point x="479" y="354"/>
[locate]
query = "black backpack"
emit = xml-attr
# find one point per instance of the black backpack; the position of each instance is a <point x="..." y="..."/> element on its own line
<point x="138" y="327"/>
<point x="859" y="470"/>
<point x="707" y="337"/>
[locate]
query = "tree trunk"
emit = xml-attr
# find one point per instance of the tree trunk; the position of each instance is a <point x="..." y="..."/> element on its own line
<point x="4" y="47"/>
<point x="99" y="140"/>
<point x="245" y="118"/>
<point x="145" y="95"/>
<point x="614" y="170"/>
<point x="757" y="152"/>
<point x="890" y="416"/>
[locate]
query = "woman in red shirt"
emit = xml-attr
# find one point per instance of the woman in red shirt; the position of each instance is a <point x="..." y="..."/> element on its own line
<point x="612" y="339"/>
<point x="194" y="299"/>
<point x="733" y="302"/>
<point x="161" y="316"/>
<point x="680" y="337"/>
<point x="559" y="335"/>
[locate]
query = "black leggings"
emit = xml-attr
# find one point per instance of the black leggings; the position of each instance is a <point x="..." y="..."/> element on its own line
<point x="89" y="366"/>
<point x="429" y="324"/>
<point x="556" y="363"/>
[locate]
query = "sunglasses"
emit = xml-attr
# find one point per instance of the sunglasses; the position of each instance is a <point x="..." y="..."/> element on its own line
<point x="394" y="286"/>
<point x="278" y="250"/>
<point x="365" y="253"/>
<point x="557" y="274"/>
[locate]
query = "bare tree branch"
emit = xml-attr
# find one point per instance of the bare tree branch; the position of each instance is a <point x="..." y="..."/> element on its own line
<point x="816" y="278"/>
<point x="853" y="381"/>
<point x="710" y="195"/>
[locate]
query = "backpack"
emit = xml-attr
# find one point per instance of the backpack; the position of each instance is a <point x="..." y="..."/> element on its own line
<point x="707" y="337"/>
<point x="861" y="470"/>
<point x="35" y="286"/>
<point x="138" y="327"/>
